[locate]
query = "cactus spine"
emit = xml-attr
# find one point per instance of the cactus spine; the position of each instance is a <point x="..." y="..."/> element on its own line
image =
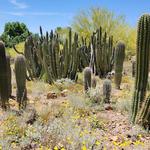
<point x="87" y="78"/>
<point x="4" y="94"/>
<point x="20" y="73"/>
<point x="142" y="64"/>
<point x="119" y="59"/>
<point x="107" y="90"/>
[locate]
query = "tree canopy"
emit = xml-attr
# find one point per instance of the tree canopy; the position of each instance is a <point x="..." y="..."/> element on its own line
<point x="14" y="32"/>
<point x="85" y="22"/>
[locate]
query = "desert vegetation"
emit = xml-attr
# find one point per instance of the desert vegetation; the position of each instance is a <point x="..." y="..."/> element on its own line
<point x="81" y="87"/>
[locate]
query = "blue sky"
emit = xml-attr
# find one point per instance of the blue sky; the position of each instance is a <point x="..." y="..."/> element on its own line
<point x="52" y="13"/>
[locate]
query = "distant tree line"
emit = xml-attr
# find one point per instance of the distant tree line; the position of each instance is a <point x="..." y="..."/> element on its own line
<point x="14" y="33"/>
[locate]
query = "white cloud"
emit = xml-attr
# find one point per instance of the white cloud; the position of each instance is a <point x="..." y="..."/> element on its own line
<point x="19" y="5"/>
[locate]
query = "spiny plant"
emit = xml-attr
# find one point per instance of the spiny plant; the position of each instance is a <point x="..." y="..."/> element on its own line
<point x="20" y="73"/>
<point x="9" y="75"/>
<point x="94" y="82"/>
<point x="87" y="78"/>
<point x="142" y="68"/>
<point x="119" y="59"/>
<point x="4" y="94"/>
<point x="107" y="90"/>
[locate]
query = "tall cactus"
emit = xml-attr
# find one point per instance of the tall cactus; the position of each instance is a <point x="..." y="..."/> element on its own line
<point x="119" y="59"/>
<point x="87" y="78"/>
<point x="20" y="73"/>
<point x="142" y="64"/>
<point x="9" y="75"/>
<point x="4" y="94"/>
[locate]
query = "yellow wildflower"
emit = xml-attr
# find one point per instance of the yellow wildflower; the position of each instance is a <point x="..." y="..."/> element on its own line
<point x="83" y="147"/>
<point x="55" y="148"/>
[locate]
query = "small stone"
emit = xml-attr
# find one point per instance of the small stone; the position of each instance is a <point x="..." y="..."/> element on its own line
<point x="51" y="95"/>
<point x="64" y="93"/>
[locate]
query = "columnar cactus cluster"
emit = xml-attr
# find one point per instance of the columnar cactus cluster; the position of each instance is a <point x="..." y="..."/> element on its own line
<point x="142" y="70"/>
<point x="51" y="58"/>
<point x="118" y="66"/>
<point x="102" y="46"/>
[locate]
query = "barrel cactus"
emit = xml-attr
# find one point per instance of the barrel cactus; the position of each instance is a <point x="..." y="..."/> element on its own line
<point x="9" y="75"/>
<point x="4" y="94"/>
<point x="20" y="73"/>
<point x="107" y="90"/>
<point x="119" y="59"/>
<point x="142" y="64"/>
<point x="87" y="78"/>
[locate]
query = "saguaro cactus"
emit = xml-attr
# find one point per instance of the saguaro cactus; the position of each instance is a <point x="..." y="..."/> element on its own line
<point x="119" y="59"/>
<point x="4" y="94"/>
<point x="20" y="73"/>
<point x="107" y="90"/>
<point x="142" y="64"/>
<point x="87" y="78"/>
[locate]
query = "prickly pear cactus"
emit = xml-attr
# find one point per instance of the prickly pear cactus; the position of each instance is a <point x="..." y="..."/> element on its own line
<point x="107" y="90"/>
<point x="87" y="78"/>
<point x="119" y="59"/>
<point x="20" y="73"/>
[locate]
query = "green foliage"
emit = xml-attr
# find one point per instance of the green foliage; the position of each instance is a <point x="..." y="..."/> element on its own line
<point x="86" y="22"/>
<point x="14" y="32"/>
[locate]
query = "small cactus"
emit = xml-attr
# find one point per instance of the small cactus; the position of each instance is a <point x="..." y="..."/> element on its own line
<point x="9" y="75"/>
<point x="119" y="59"/>
<point x="94" y="82"/>
<point x="107" y="90"/>
<point x="4" y="95"/>
<point x="20" y="73"/>
<point x="87" y="78"/>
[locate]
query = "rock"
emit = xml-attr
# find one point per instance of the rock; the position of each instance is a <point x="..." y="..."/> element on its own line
<point x="51" y="95"/>
<point x="64" y="93"/>
<point x="108" y="107"/>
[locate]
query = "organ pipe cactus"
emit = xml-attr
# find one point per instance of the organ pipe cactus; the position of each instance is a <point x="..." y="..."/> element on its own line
<point x="4" y="93"/>
<point x="20" y="73"/>
<point x="87" y="78"/>
<point x="142" y="64"/>
<point x="119" y="59"/>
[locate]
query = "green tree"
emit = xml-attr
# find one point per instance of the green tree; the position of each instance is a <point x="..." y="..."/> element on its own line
<point x="86" y="22"/>
<point x="14" y="32"/>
